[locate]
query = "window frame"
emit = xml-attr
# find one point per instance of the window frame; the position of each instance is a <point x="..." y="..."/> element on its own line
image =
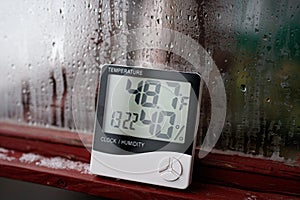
<point x="218" y="169"/>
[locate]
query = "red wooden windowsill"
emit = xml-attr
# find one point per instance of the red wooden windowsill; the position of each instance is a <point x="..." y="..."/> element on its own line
<point x="79" y="180"/>
<point x="235" y="171"/>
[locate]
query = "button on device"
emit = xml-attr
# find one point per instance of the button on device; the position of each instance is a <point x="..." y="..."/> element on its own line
<point x="170" y="169"/>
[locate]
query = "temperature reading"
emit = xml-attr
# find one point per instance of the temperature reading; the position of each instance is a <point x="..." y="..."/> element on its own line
<point x="151" y="108"/>
<point x="146" y="94"/>
<point x="176" y="93"/>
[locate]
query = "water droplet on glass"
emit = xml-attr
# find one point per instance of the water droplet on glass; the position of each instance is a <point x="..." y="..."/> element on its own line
<point x="284" y="84"/>
<point x="120" y="23"/>
<point x="243" y="88"/>
<point x="171" y="45"/>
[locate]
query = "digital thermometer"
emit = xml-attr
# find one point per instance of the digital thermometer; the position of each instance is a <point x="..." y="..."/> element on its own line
<point x="145" y="125"/>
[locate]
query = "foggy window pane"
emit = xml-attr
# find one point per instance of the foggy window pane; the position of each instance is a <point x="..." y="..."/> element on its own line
<point x="50" y="54"/>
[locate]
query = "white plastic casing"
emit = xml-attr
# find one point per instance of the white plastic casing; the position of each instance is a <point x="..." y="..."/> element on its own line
<point x="158" y="167"/>
<point x="145" y="167"/>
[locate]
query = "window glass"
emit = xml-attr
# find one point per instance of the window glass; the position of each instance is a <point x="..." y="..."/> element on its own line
<point x="50" y="54"/>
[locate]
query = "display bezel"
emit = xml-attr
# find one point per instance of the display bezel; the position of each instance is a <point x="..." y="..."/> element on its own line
<point x="106" y="142"/>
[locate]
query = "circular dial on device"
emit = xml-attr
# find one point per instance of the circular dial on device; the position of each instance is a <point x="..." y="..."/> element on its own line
<point x="170" y="169"/>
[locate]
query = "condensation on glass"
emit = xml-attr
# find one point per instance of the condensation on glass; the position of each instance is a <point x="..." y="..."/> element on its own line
<point x="51" y="50"/>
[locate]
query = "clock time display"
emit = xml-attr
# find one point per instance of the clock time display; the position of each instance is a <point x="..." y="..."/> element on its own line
<point x="150" y="108"/>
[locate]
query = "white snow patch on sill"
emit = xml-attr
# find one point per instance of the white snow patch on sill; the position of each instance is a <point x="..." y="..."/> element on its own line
<point x="2" y="150"/>
<point x="30" y="157"/>
<point x="6" y="157"/>
<point x="55" y="162"/>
